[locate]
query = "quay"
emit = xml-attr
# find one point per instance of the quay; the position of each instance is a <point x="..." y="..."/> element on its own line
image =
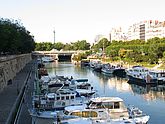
<point x="11" y="95"/>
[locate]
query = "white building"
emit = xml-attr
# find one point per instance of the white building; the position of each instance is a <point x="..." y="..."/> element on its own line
<point x="147" y="29"/>
<point x="117" y="34"/>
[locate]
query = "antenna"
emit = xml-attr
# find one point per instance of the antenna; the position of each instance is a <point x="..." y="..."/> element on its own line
<point x="54" y="35"/>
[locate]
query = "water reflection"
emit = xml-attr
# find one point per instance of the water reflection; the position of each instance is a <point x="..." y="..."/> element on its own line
<point x="149" y="93"/>
<point x="150" y="99"/>
<point x="120" y="84"/>
<point x="106" y="81"/>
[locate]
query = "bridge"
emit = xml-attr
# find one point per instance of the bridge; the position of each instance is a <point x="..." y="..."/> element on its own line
<point x="57" y="55"/>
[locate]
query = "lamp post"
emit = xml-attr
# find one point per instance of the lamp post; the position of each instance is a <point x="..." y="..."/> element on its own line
<point x="54" y="46"/>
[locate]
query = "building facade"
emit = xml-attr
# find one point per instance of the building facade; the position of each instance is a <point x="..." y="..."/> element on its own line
<point x="143" y="30"/>
<point x="147" y="29"/>
<point x="117" y="34"/>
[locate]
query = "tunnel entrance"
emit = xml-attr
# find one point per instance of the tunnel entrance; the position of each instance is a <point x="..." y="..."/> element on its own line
<point x="64" y="58"/>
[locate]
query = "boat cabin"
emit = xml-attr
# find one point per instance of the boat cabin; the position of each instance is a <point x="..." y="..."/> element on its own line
<point x="114" y="104"/>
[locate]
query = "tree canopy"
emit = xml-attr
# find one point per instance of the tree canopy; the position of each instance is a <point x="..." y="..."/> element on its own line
<point x="14" y="38"/>
<point x="47" y="46"/>
<point x="138" y="51"/>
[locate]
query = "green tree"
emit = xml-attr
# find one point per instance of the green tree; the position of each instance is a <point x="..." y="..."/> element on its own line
<point x="14" y="37"/>
<point x="59" y="45"/>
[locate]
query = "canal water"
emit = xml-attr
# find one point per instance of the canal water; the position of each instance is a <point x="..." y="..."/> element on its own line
<point x="149" y="99"/>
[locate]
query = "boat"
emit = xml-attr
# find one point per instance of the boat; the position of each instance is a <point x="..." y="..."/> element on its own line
<point x="159" y="75"/>
<point x="96" y="65"/>
<point x="97" y="108"/>
<point x="58" y="100"/>
<point x="108" y="69"/>
<point x="114" y="104"/>
<point x="43" y="117"/>
<point x="137" y="115"/>
<point x="46" y="59"/>
<point x="85" y="62"/>
<point x="96" y="115"/>
<point x="82" y="87"/>
<point x="113" y="69"/>
<point x="140" y="75"/>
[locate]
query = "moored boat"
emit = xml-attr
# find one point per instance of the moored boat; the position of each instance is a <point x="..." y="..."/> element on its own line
<point x="114" y="106"/>
<point x="140" y="75"/>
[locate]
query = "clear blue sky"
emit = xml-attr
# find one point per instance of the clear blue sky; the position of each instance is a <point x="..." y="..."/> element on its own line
<point x="79" y="19"/>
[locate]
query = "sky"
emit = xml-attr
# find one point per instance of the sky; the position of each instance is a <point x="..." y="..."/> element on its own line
<point x="75" y="20"/>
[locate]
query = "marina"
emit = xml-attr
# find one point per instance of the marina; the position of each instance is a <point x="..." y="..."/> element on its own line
<point x="146" y="98"/>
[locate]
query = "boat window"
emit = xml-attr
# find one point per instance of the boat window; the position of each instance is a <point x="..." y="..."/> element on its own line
<point x="77" y="114"/>
<point x="85" y="114"/>
<point x="66" y="112"/>
<point x="99" y="105"/>
<point x="58" y="98"/>
<point x="90" y="102"/>
<point x="67" y="97"/>
<point x="89" y="114"/>
<point x="72" y="97"/>
<point x="122" y="105"/>
<point x="51" y="98"/>
<point x="110" y="105"/>
<point x="116" y="105"/>
<point x="62" y="98"/>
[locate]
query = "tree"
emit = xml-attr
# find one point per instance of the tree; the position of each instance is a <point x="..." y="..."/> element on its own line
<point x="59" y="45"/>
<point x="81" y="45"/>
<point x="14" y="38"/>
<point x="102" y="44"/>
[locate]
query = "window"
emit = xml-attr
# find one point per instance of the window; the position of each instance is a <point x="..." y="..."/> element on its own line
<point x="72" y="97"/>
<point x="58" y="98"/>
<point x="67" y="97"/>
<point x="62" y="98"/>
<point x="85" y="114"/>
<point x="66" y="112"/>
<point x="116" y="105"/>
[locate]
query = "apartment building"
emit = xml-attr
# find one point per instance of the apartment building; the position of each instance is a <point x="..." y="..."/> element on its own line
<point x="117" y="34"/>
<point x="147" y="29"/>
<point x="143" y="30"/>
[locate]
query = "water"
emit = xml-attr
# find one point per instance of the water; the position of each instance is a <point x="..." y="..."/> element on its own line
<point x="150" y="99"/>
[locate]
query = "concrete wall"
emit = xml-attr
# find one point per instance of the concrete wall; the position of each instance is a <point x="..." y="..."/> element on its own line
<point x="10" y="66"/>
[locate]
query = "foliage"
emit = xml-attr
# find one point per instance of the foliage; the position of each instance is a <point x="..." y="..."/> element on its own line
<point x="80" y="56"/>
<point x="102" y="44"/>
<point x="47" y="46"/>
<point x="14" y="38"/>
<point x="135" y="50"/>
<point x="81" y="45"/>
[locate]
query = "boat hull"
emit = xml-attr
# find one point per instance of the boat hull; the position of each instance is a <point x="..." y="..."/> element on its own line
<point x="141" y="81"/>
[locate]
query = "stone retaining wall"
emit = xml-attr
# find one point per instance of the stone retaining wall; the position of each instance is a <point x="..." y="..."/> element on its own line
<point x="10" y="66"/>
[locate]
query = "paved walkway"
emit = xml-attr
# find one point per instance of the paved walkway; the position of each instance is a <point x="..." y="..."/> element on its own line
<point x="25" y="117"/>
<point x="10" y="93"/>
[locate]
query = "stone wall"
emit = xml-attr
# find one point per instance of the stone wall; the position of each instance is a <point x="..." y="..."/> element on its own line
<point x="10" y="66"/>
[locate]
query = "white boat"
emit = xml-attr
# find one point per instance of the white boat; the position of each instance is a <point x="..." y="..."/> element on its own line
<point x="43" y="117"/>
<point x="114" y="104"/>
<point x="58" y="100"/>
<point x="82" y="87"/>
<point x="96" y="115"/>
<point x="97" y="108"/>
<point x="47" y="59"/>
<point x="140" y="75"/>
<point x="113" y="69"/>
<point x="108" y="69"/>
<point x="138" y="115"/>
<point x="93" y="63"/>
<point x="159" y="75"/>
